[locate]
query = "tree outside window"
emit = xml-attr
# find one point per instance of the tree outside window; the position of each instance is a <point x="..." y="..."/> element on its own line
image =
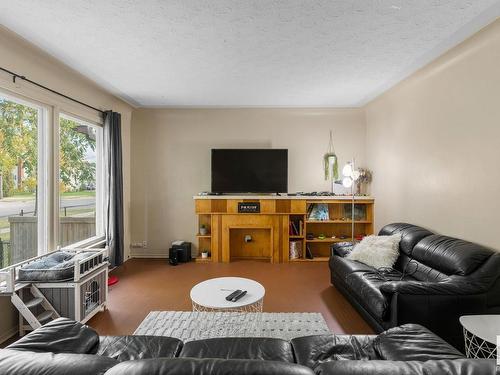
<point x="19" y="153"/>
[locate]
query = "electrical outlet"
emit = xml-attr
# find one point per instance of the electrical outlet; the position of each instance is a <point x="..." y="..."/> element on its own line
<point x="144" y="244"/>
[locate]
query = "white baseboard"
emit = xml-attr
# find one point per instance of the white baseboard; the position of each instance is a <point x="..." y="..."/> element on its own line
<point x="7" y="335"/>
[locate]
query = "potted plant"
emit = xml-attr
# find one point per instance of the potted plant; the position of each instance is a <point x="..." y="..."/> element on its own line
<point x="204" y="254"/>
<point x="203" y="230"/>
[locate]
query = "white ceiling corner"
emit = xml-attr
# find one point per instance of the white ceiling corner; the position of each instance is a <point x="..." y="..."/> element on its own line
<point x="262" y="53"/>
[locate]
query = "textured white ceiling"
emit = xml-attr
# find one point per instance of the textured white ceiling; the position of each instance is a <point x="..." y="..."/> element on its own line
<point x="246" y="53"/>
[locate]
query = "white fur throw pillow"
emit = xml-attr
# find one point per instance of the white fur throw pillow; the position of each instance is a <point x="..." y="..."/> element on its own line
<point x="377" y="251"/>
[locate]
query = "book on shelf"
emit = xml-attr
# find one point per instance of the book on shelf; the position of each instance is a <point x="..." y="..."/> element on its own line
<point x="318" y="212"/>
<point x="295" y="228"/>
<point x="295" y="249"/>
<point x="309" y="210"/>
<point x="309" y="254"/>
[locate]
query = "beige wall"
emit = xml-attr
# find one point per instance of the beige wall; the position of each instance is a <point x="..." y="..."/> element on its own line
<point x="433" y="143"/>
<point x="171" y="158"/>
<point x="19" y="56"/>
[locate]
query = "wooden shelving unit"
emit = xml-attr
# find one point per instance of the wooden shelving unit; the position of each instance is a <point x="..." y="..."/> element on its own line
<point x="337" y="221"/>
<point x="204" y="240"/>
<point x="337" y="228"/>
<point x="328" y="240"/>
<point x="272" y="230"/>
<point x="317" y="259"/>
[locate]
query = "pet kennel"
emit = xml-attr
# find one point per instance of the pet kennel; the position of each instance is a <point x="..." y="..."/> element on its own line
<point x="71" y="283"/>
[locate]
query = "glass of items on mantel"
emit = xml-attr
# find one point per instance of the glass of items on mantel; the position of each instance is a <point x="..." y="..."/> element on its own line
<point x="321" y="212"/>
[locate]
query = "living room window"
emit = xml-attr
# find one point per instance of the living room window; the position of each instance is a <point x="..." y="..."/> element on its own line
<point x="51" y="179"/>
<point x="22" y="168"/>
<point x="80" y="181"/>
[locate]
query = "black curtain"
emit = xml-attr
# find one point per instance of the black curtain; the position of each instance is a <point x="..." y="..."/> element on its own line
<point x="114" y="186"/>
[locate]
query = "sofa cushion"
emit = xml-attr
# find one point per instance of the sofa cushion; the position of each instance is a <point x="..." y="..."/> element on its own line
<point x="57" y="266"/>
<point x="419" y="271"/>
<point x="410" y="235"/>
<point x="126" y="348"/>
<point x="440" y="367"/>
<point x="377" y="251"/>
<point x="310" y="351"/>
<point x="344" y="266"/>
<point x="207" y="366"/>
<point x="451" y="255"/>
<point x="240" y="348"/>
<point x="61" y="335"/>
<point x="14" y="362"/>
<point x="367" y="291"/>
<point x="412" y="342"/>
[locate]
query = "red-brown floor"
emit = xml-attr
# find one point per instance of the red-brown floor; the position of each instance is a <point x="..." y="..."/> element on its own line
<point x="153" y="285"/>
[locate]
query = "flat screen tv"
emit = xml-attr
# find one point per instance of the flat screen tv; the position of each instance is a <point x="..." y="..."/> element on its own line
<point x="249" y="171"/>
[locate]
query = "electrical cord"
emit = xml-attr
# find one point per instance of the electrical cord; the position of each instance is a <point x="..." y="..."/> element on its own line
<point x="391" y="274"/>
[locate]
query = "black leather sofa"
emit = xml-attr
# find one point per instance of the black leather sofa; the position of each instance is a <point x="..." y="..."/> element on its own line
<point x="66" y="347"/>
<point x="436" y="280"/>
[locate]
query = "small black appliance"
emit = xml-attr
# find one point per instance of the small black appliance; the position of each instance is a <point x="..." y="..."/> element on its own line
<point x="180" y="252"/>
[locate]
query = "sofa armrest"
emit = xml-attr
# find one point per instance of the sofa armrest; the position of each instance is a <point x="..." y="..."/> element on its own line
<point x="341" y="249"/>
<point x="61" y="335"/>
<point x="439" y="313"/>
<point x="16" y="362"/>
<point x="413" y="342"/>
<point x="431" y="288"/>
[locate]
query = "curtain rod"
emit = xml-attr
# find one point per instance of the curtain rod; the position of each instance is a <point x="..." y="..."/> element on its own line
<point x="15" y="76"/>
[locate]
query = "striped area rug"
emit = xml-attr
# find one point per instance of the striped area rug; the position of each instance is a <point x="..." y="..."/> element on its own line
<point x="189" y="326"/>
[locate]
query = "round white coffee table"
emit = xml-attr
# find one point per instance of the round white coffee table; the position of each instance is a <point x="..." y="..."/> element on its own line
<point x="210" y="295"/>
<point x="480" y="333"/>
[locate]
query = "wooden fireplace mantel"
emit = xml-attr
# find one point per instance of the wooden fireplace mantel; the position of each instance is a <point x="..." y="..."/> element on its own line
<point x="270" y="228"/>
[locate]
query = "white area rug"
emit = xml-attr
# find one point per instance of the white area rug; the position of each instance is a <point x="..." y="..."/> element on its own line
<point x="189" y="326"/>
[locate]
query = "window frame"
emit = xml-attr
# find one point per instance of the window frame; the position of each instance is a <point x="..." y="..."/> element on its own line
<point x="43" y="170"/>
<point x="100" y="210"/>
<point x="50" y="108"/>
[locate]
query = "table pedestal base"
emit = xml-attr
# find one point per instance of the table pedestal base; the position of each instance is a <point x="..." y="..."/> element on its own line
<point x="254" y="307"/>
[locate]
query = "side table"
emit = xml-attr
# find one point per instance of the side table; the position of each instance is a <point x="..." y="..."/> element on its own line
<point x="480" y="333"/>
<point x="210" y="295"/>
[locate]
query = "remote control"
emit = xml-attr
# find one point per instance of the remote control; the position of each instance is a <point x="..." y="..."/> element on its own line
<point x="233" y="294"/>
<point x="236" y="298"/>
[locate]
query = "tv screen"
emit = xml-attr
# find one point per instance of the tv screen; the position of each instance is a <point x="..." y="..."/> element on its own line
<point x="249" y="170"/>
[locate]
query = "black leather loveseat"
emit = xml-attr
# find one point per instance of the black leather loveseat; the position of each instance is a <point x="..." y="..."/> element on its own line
<point x="436" y="280"/>
<point x="66" y="347"/>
